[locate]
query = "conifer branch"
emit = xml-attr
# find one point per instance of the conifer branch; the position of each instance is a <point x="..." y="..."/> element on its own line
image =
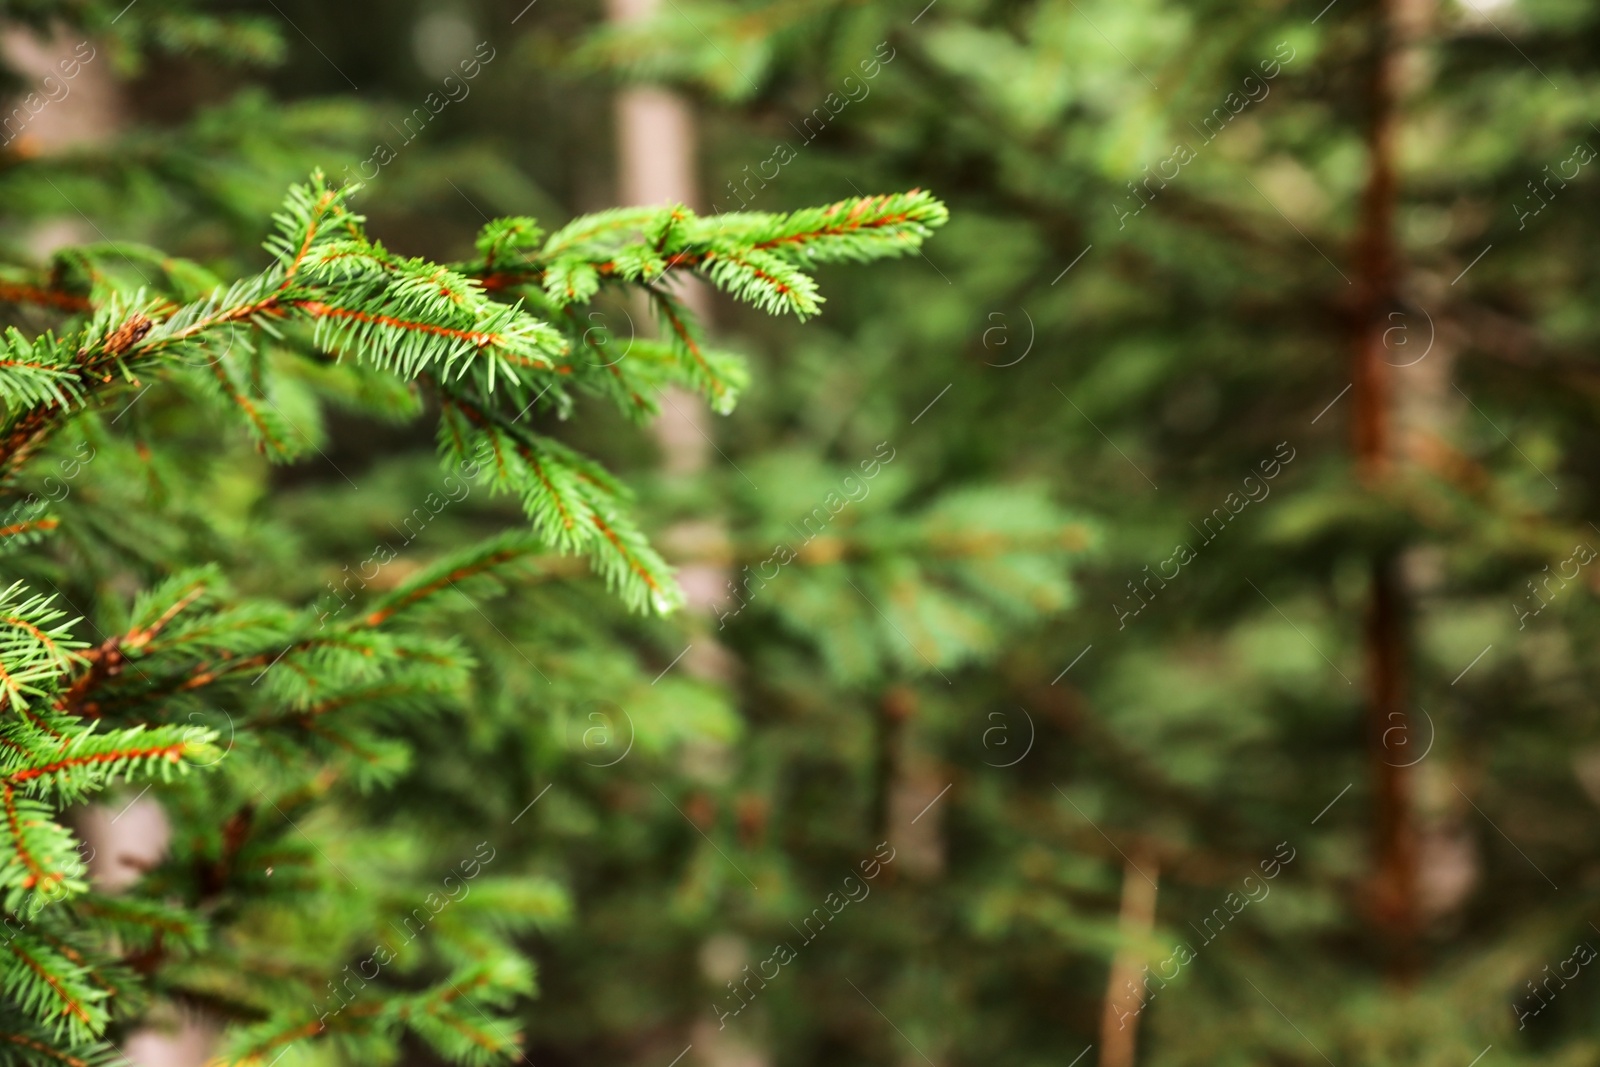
<point x="495" y="554"/>
<point x="60" y="300"/>
<point x="492" y="338"/>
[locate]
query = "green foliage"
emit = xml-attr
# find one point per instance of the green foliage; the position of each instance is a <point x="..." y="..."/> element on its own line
<point x="1142" y="327"/>
<point x="487" y="361"/>
<point x="259" y="719"/>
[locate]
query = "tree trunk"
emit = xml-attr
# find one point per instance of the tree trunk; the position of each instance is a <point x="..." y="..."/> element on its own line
<point x="656" y="165"/>
<point x="1394" y="899"/>
<point x="1125" y="996"/>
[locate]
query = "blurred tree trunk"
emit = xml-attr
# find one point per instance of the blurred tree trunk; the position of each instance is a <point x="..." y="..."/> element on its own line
<point x="1125" y="999"/>
<point x="1394" y="889"/>
<point x="656" y="147"/>
<point x="656" y="150"/>
<point x="911" y="789"/>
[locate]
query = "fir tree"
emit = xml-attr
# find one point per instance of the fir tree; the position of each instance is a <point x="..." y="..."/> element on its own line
<point x="257" y="719"/>
<point x="1210" y="223"/>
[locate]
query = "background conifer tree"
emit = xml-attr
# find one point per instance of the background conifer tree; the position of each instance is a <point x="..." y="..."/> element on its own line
<point x="1258" y="283"/>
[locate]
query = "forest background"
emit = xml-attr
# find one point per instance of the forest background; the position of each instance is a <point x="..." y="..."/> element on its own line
<point x="1172" y="585"/>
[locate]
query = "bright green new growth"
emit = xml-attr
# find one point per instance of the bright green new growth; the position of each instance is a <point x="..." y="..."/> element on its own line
<point x="293" y="698"/>
<point x="441" y="327"/>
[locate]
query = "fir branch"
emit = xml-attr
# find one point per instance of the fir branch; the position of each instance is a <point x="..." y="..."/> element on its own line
<point x="21" y="530"/>
<point x="573" y="504"/>
<point x="319" y="705"/>
<point x="720" y="380"/>
<point x="72" y="1056"/>
<point x="32" y="837"/>
<point x="270" y="432"/>
<point x="492" y="555"/>
<point x="403" y="315"/>
<point x="138" y="924"/>
<point x="61" y="773"/>
<point x="758" y="257"/>
<point x="60" y="300"/>
<point x="36" y="645"/>
<point x="49" y="985"/>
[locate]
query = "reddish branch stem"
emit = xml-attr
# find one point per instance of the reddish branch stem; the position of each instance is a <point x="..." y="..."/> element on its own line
<point x="18" y="293"/>
<point x="43" y="1049"/>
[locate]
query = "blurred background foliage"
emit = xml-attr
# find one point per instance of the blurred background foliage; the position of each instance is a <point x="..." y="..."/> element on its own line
<point x="972" y="661"/>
